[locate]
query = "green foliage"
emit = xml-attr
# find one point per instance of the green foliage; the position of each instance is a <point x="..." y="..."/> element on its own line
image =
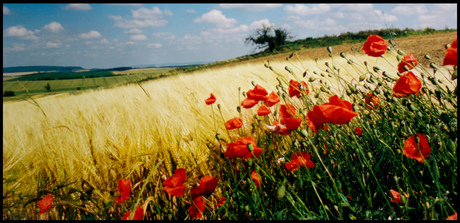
<point x="8" y="93"/>
<point x="268" y="37"/>
<point x="48" y="87"/>
<point x="62" y="76"/>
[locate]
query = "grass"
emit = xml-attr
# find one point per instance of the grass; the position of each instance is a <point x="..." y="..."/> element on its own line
<point x="85" y="143"/>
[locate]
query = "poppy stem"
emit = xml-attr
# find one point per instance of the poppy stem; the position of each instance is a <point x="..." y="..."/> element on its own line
<point x="228" y="133"/>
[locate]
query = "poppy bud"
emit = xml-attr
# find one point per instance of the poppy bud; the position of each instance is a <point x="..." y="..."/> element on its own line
<point x="367" y="87"/>
<point x="427" y="57"/>
<point x="304" y="133"/>
<point x="327" y="64"/>
<point x="419" y="114"/>
<point x="406" y="68"/>
<point x="350" y="61"/>
<point x="304" y="74"/>
<point x="317" y="95"/>
<point x="218" y="106"/>
<point x="250" y="147"/>
<point x="376" y="69"/>
<point x="329" y="49"/>
<point x="281" y="192"/>
<point x="323" y="75"/>
<point x="342" y="54"/>
<point x="312" y="79"/>
<point x="21" y="196"/>
<point x="37" y="210"/>
<point x="217" y="136"/>
<point x="377" y="91"/>
<point x="253" y="83"/>
<point x="432" y="65"/>
<point x="238" y="108"/>
<point x="323" y="89"/>
<point x="362" y="77"/>
<point x="400" y="52"/>
<point x="399" y="58"/>
<point x="288" y="69"/>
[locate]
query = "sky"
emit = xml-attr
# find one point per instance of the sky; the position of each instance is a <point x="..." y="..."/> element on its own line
<point x="116" y="35"/>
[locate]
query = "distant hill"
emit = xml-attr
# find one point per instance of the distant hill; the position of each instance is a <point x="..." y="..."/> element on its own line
<point x="41" y="69"/>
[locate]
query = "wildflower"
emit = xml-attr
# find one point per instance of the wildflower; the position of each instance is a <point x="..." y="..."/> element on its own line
<point x="278" y="128"/>
<point x="407" y="60"/>
<point x="124" y="187"/>
<point x="240" y="148"/>
<point x="291" y="123"/>
<point x="221" y="201"/>
<point x="45" y="203"/>
<point x="249" y="103"/>
<point x="287" y="111"/>
<point x="262" y="111"/>
<point x="411" y="149"/>
<point x="452" y="217"/>
<point x="234" y="123"/>
<point x="337" y="111"/>
<point x="207" y="186"/>
<point x="197" y="208"/>
<point x="371" y="98"/>
<point x="272" y="99"/>
<point x="408" y="83"/>
<point x="374" y="46"/>
<point x="451" y="54"/>
<point x="299" y="158"/>
<point x="174" y="185"/>
<point x="256" y="178"/>
<point x="358" y="131"/>
<point x="280" y="160"/>
<point x="258" y="93"/>
<point x="396" y="197"/>
<point x="138" y="214"/>
<point x="294" y="88"/>
<point x="210" y="100"/>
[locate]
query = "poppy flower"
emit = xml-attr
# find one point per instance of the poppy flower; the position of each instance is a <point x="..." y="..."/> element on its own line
<point x="358" y="131"/>
<point x="291" y="123"/>
<point x="124" y="187"/>
<point x="249" y="103"/>
<point x="256" y="178"/>
<point x="272" y="99"/>
<point x="375" y="46"/>
<point x="45" y="203"/>
<point x="221" y="201"/>
<point x="197" y="208"/>
<point x="234" y="123"/>
<point x="451" y="54"/>
<point x="210" y="100"/>
<point x="240" y="148"/>
<point x="315" y="126"/>
<point x="396" y="197"/>
<point x="262" y="111"/>
<point x="299" y="159"/>
<point x="411" y="150"/>
<point x="287" y="111"/>
<point x="452" y="217"/>
<point x="408" y="83"/>
<point x="138" y="214"/>
<point x="174" y="185"/>
<point x="337" y="111"/>
<point x="294" y="88"/>
<point x="371" y="100"/>
<point x="207" y="186"/>
<point x="278" y="128"/>
<point x="258" y="93"/>
<point x="407" y="60"/>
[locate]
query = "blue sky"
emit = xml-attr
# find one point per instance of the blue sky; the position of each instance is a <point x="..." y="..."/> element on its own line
<point x="114" y="35"/>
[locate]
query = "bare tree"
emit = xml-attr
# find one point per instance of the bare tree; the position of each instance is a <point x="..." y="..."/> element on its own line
<point x="268" y="36"/>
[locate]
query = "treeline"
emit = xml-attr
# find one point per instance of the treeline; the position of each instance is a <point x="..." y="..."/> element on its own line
<point x="61" y="76"/>
<point x="41" y="69"/>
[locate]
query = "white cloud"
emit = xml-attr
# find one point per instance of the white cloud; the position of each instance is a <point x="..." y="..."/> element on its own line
<point x="20" y="32"/>
<point x="6" y="10"/>
<point x="15" y="47"/>
<point x="143" y="17"/>
<point x="54" y="27"/>
<point x="386" y="16"/>
<point x="409" y="9"/>
<point x="134" y="31"/>
<point x="260" y="23"/>
<point x="138" y="37"/>
<point x="250" y="7"/>
<point x="166" y="35"/>
<point x="306" y="10"/>
<point x="215" y="16"/>
<point x="190" y="10"/>
<point x="77" y="7"/>
<point x="354" y="7"/>
<point x="52" y="45"/>
<point x="104" y="41"/>
<point x="154" y="45"/>
<point x="90" y="35"/>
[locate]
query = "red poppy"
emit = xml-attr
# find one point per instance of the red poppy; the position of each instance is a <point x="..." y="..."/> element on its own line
<point x="294" y="89"/>
<point x="207" y="186"/>
<point x="249" y="103"/>
<point x="240" y="148"/>
<point x="371" y="98"/>
<point x="272" y="99"/>
<point x="375" y="46"/>
<point x="407" y="60"/>
<point x="408" y="83"/>
<point x="315" y="126"/>
<point x="210" y="100"/>
<point x="291" y="123"/>
<point x="258" y="93"/>
<point x="411" y="150"/>
<point x="221" y="201"/>
<point x="287" y="111"/>
<point x="138" y="214"/>
<point x="256" y="178"/>
<point x="299" y="159"/>
<point x="358" y="131"/>
<point x="337" y="111"/>
<point x="234" y="123"/>
<point x="278" y="128"/>
<point x="451" y="54"/>
<point x="124" y="187"/>
<point x="174" y="185"/>
<point x="452" y="217"/>
<point x="45" y="203"/>
<point x="197" y="208"/>
<point x="262" y="111"/>
<point x="396" y="196"/>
